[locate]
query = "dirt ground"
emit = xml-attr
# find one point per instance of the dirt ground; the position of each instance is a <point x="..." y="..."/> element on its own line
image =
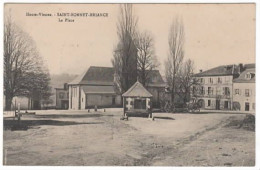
<point x="101" y="138"/>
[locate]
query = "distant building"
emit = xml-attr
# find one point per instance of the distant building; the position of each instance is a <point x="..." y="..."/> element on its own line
<point x="216" y="87"/>
<point x="156" y="86"/>
<point x="95" y="87"/>
<point x="62" y="97"/>
<point x="244" y="90"/>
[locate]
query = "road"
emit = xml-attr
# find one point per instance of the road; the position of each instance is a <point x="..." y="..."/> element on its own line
<point x="101" y="138"/>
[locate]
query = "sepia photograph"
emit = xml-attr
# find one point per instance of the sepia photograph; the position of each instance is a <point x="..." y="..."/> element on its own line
<point x="125" y="84"/>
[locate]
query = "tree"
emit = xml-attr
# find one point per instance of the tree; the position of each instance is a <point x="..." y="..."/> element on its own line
<point x="146" y="58"/>
<point x="21" y="62"/>
<point x="175" y="56"/>
<point x="125" y="53"/>
<point x="36" y="86"/>
<point x="187" y="81"/>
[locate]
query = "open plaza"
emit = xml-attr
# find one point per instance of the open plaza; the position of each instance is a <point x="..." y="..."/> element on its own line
<point x="66" y="137"/>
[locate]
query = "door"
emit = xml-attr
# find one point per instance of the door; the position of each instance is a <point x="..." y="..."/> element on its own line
<point x="64" y="104"/>
<point x="113" y="100"/>
<point x="217" y="104"/>
<point x="246" y="106"/>
<point x="226" y="105"/>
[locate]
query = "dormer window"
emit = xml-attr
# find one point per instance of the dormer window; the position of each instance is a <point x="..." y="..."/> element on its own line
<point x="250" y="75"/>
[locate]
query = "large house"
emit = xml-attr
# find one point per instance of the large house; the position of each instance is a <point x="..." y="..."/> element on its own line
<point x="95" y="87"/>
<point x="216" y="87"/>
<point x="244" y="90"/>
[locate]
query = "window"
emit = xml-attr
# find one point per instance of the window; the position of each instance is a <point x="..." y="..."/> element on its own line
<point x="247" y="106"/>
<point x="219" y="80"/>
<point x="226" y="91"/>
<point x="209" y="102"/>
<point x="211" y="80"/>
<point x="237" y="91"/>
<point x="139" y="104"/>
<point x="210" y="90"/>
<point x="61" y="95"/>
<point x="202" y="80"/>
<point x="249" y="75"/>
<point x="202" y="91"/>
<point x="247" y="93"/>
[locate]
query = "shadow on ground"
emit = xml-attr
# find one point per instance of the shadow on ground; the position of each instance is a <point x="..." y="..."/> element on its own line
<point x="28" y="124"/>
<point x="56" y="116"/>
<point x="163" y="117"/>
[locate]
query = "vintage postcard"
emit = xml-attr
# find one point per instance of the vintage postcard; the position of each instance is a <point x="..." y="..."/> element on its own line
<point x="129" y="84"/>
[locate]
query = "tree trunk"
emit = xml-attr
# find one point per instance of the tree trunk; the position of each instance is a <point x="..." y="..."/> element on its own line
<point x="8" y="102"/>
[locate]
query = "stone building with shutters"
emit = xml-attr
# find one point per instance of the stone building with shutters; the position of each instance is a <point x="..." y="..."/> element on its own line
<point x="215" y="89"/>
<point x="244" y="90"/>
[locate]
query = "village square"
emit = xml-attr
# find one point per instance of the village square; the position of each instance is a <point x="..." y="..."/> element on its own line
<point x="137" y="110"/>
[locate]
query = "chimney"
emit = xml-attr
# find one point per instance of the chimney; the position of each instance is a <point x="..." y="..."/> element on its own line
<point x="201" y="71"/>
<point x="65" y="86"/>
<point x="240" y="68"/>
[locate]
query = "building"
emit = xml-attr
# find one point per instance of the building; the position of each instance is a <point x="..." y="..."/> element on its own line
<point x="215" y="88"/>
<point x="95" y="87"/>
<point x="62" y="97"/>
<point x="244" y="90"/>
<point x="156" y="86"/>
<point x="137" y="100"/>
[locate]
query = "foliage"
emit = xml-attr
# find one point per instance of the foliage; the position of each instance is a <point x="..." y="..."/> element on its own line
<point x="24" y="70"/>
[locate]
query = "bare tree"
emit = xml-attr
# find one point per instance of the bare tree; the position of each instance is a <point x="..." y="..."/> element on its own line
<point x="175" y="56"/>
<point x="20" y="58"/>
<point x="146" y="58"/>
<point x="187" y="81"/>
<point x="125" y="53"/>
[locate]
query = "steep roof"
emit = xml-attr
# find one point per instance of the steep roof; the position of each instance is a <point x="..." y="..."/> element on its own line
<point x="155" y="79"/>
<point x="98" y="90"/>
<point x="251" y="65"/>
<point x="105" y="76"/>
<point x="223" y="70"/>
<point x="96" y="76"/>
<point x="242" y="77"/>
<point x="137" y="90"/>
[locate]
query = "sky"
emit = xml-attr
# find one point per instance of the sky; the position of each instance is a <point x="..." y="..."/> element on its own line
<point x="215" y="34"/>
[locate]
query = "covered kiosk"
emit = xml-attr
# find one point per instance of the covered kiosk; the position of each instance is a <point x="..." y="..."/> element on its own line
<point x="137" y="101"/>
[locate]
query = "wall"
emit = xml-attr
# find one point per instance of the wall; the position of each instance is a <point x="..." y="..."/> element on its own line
<point x="83" y="100"/>
<point x="102" y="99"/>
<point x="74" y="94"/>
<point x="99" y="100"/>
<point x="213" y="102"/>
<point x="241" y="97"/>
<point x="218" y="91"/>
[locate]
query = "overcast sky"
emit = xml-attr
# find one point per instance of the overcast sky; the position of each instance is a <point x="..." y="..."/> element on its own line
<point x="215" y="34"/>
